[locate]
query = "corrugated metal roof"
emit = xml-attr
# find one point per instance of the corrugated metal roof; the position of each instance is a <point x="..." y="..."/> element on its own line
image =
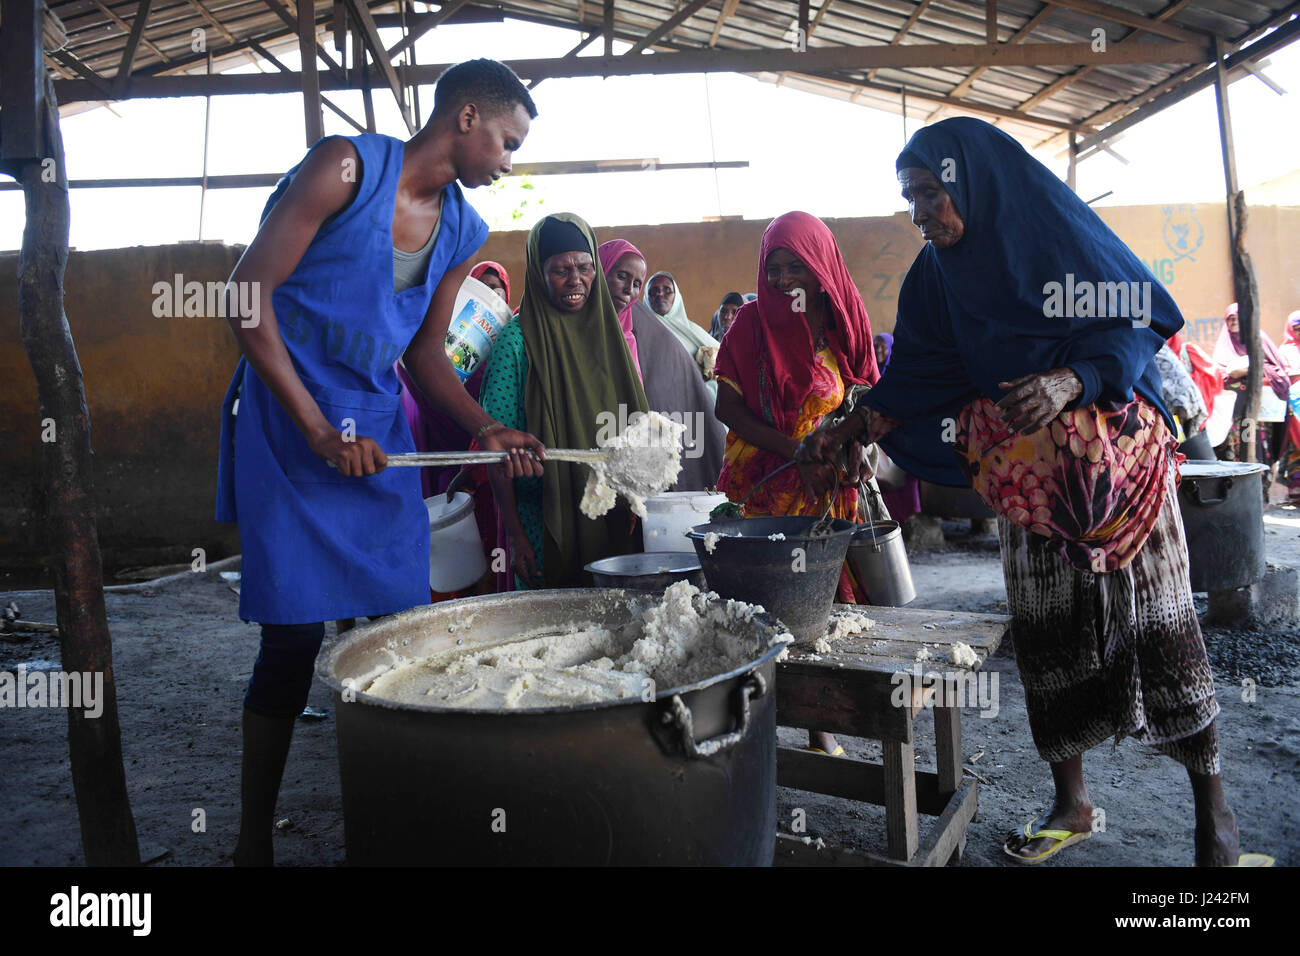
<point x="1084" y="97"/>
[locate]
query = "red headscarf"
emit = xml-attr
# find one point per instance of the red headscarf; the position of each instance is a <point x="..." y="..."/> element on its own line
<point x="768" y="351"/>
<point x="498" y="268"/>
<point x="610" y="252"/>
<point x="1205" y="371"/>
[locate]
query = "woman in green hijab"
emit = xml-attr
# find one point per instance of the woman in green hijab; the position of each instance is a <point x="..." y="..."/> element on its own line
<point x="553" y="372"/>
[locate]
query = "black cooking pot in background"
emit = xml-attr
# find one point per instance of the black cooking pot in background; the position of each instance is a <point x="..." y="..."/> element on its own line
<point x="687" y="778"/>
<point x="1222" y="506"/>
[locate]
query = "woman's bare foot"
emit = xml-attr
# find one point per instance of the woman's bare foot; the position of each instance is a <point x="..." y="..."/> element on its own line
<point x="1074" y="817"/>
<point x="1216" y="838"/>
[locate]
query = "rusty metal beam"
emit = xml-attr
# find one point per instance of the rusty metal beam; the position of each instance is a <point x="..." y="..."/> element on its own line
<point x="292" y="23"/>
<point x="820" y="60"/>
<point x="1186" y="84"/>
<point x="1129" y="19"/>
<point x="126" y="28"/>
<point x="582" y="45"/>
<point x="961" y="88"/>
<point x="101" y="83"/>
<point x="266" y="55"/>
<point x="728" y="10"/>
<point x="667" y="27"/>
<point x="817" y="20"/>
<point x="123" y="76"/>
<point x="1070" y="78"/>
<point x="902" y="31"/>
<point x="370" y="34"/>
<point x="970" y="107"/>
<point x="310" y="79"/>
<point x="449" y="9"/>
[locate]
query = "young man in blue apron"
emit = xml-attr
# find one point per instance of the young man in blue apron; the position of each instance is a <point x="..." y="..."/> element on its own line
<point x="361" y="251"/>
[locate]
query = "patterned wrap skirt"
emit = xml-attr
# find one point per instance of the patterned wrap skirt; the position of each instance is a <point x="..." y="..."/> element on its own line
<point x="1114" y="654"/>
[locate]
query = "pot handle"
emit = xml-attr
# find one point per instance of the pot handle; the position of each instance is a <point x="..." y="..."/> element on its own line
<point x="752" y="686"/>
<point x="1196" y="494"/>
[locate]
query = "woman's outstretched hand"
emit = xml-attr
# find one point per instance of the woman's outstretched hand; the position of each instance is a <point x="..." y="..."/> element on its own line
<point x="1032" y="401"/>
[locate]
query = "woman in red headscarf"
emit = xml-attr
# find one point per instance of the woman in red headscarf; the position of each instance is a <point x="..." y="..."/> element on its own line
<point x="786" y="363"/>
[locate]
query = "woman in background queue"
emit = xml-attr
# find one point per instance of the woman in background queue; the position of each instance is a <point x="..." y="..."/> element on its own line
<point x="786" y="364"/>
<point x="562" y="363"/>
<point x="672" y="382"/>
<point x="664" y="300"/>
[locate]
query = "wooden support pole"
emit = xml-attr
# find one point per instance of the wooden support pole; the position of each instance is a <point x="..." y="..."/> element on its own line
<point x="991" y="22"/>
<point x="313" y="120"/>
<point x="607" y="27"/>
<point x="108" y="836"/>
<point x="1244" y="287"/>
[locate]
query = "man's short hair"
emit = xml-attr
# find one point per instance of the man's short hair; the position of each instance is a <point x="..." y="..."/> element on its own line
<point x="488" y="84"/>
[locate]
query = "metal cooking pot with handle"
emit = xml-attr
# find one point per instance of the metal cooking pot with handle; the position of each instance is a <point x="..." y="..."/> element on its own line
<point x="1222" y="506"/>
<point x="686" y="778"/>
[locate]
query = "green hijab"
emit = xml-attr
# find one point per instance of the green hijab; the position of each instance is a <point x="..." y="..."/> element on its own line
<point x="579" y="367"/>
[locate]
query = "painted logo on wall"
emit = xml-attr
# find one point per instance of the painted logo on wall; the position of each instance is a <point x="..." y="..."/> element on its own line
<point x="1183" y="232"/>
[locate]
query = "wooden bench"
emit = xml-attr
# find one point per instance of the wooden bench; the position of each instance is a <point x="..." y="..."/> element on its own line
<point x="853" y="690"/>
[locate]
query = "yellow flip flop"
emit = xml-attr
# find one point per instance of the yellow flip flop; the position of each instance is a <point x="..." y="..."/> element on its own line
<point x="1063" y="838"/>
<point x="838" y="752"/>
<point x="1255" y="859"/>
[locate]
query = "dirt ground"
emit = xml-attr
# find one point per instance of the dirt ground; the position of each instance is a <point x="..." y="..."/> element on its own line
<point x="182" y="658"/>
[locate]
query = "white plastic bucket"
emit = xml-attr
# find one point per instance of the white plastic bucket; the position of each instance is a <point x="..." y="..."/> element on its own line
<point x="476" y="319"/>
<point x="456" y="558"/>
<point x="669" y="516"/>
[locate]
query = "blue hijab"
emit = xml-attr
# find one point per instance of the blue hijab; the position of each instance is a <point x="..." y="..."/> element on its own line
<point x="986" y="311"/>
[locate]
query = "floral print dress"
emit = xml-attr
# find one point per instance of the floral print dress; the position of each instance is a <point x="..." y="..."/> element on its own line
<point x="745" y="465"/>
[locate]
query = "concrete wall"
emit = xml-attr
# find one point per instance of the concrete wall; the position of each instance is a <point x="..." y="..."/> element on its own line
<point x="154" y="385"/>
<point x="154" y="388"/>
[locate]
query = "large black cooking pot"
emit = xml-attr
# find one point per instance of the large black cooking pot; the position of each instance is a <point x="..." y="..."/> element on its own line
<point x="1222" y="505"/>
<point x="686" y="778"/>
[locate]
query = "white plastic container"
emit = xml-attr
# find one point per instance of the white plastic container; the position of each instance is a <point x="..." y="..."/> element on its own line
<point x="669" y="516"/>
<point x="456" y="558"/>
<point x="477" y="318"/>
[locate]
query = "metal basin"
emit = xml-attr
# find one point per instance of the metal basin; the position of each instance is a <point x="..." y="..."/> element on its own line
<point x="648" y="571"/>
<point x="685" y="778"/>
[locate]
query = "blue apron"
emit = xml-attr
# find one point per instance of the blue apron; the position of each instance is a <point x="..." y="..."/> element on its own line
<point x="316" y="545"/>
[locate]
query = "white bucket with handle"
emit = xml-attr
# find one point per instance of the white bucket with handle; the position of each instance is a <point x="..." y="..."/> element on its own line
<point x="456" y="558"/>
<point x="477" y="318"/>
<point x="669" y="516"/>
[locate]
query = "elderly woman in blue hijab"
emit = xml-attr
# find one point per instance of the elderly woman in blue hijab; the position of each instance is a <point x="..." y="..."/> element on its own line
<point x="1022" y="364"/>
